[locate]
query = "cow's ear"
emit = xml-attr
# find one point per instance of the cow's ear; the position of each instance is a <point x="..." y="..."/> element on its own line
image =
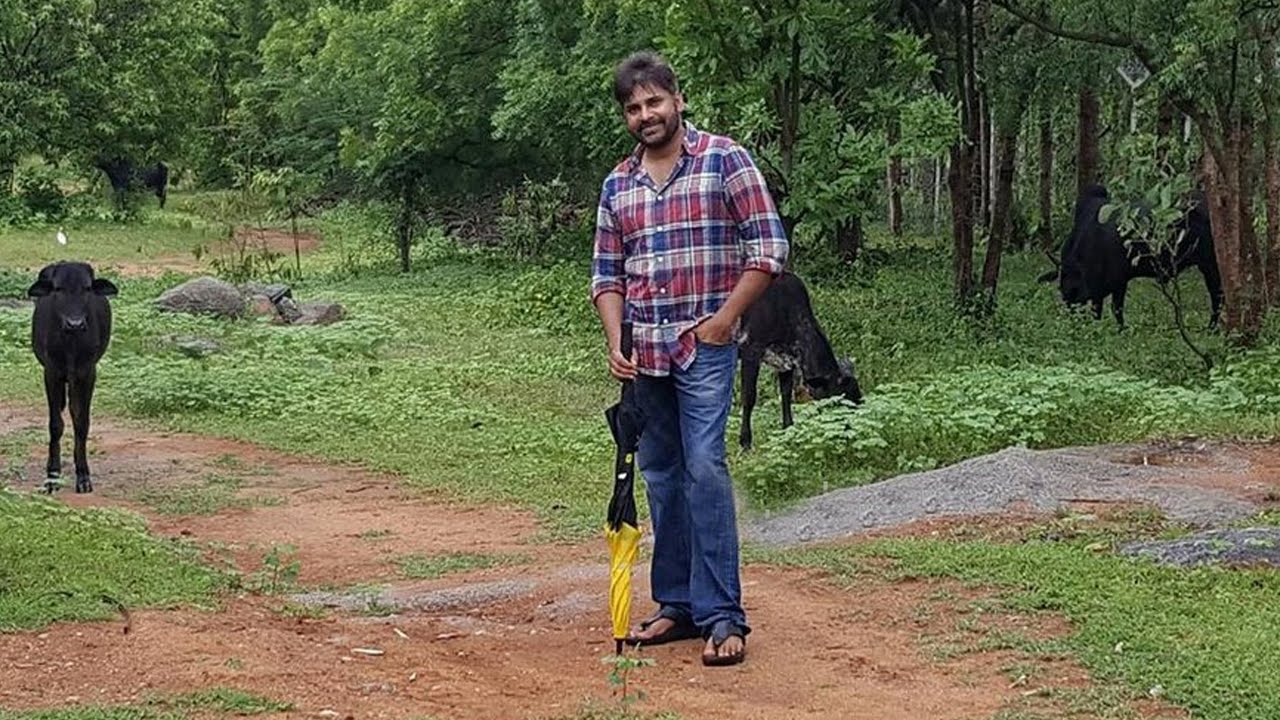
<point x="40" y="288"/>
<point x="105" y="287"/>
<point x="1048" y="277"/>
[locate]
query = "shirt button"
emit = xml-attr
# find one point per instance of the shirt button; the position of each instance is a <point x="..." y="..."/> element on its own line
<point x="664" y="321"/>
<point x="662" y="290"/>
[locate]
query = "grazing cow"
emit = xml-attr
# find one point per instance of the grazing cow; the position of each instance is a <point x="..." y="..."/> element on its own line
<point x="1095" y="262"/>
<point x="124" y="176"/>
<point x="70" y="331"/>
<point x="780" y="330"/>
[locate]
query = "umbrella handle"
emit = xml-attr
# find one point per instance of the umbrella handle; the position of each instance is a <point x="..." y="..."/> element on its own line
<point x="626" y="340"/>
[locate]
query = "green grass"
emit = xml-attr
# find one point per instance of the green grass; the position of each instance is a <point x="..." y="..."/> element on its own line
<point x="422" y="567"/>
<point x="104" y="243"/>
<point x="67" y="564"/>
<point x="484" y="378"/>
<point x="216" y="701"/>
<point x="1204" y="636"/>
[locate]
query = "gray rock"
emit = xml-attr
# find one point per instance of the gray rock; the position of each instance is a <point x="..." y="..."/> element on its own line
<point x="274" y="292"/>
<point x="14" y="304"/>
<point x="287" y="310"/>
<point x="203" y="296"/>
<point x="320" y="313"/>
<point x="1038" y="480"/>
<point x="1246" y="546"/>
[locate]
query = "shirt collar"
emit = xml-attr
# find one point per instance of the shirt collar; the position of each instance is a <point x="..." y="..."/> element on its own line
<point x="691" y="145"/>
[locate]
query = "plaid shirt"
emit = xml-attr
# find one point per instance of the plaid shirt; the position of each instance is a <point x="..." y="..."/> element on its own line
<point x="675" y="252"/>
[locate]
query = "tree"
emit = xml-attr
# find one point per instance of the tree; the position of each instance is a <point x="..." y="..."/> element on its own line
<point x="1210" y="60"/>
<point x="91" y="79"/>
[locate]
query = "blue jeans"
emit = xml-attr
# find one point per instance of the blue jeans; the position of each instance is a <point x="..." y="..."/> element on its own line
<point x="694" y="574"/>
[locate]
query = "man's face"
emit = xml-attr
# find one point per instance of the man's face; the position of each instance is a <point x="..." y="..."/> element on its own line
<point x="653" y="115"/>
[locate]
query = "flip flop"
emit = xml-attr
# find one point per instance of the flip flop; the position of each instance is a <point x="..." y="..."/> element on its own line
<point x="682" y="629"/>
<point x="723" y="631"/>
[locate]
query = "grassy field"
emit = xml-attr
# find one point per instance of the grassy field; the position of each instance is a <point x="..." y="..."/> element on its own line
<point x="483" y="378"/>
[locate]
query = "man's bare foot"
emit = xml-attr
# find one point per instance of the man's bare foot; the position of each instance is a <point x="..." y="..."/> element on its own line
<point x="730" y="652"/>
<point x="655" y="629"/>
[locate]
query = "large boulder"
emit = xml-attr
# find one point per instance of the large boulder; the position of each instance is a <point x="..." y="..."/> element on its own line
<point x="203" y="296"/>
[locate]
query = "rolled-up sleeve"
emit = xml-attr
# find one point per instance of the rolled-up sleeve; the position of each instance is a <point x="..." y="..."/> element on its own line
<point x="607" y="264"/>
<point x="764" y="241"/>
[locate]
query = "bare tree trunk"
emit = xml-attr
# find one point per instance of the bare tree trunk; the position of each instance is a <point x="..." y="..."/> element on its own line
<point x="849" y="239"/>
<point x="965" y="170"/>
<point x="1166" y="113"/>
<point x="983" y="180"/>
<point x="1002" y="213"/>
<point x="1046" y="178"/>
<point x="1087" y="138"/>
<point x="1230" y="210"/>
<point x="895" y="183"/>
<point x="937" y="191"/>
<point x="404" y="226"/>
<point x="1271" y="173"/>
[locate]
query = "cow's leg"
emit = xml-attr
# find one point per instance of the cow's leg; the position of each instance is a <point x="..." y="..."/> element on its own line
<point x="1117" y="304"/>
<point x="55" y="392"/>
<point x="81" y="398"/>
<point x="1212" y="283"/>
<point x="1097" y="307"/>
<point x="750" y="379"/>
<point x="786" y="388"/>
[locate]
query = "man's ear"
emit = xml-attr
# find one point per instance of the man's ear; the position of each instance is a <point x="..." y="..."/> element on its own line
<point x="104" y="287"/>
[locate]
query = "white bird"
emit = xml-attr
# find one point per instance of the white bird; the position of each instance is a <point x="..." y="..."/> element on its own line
<point x="62" y="237"/>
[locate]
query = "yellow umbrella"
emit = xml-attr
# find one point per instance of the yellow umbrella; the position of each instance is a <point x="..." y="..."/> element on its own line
<point x="622" y="531"/>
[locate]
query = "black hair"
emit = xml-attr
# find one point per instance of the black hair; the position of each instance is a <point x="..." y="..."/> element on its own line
<point x="643" y="68"/>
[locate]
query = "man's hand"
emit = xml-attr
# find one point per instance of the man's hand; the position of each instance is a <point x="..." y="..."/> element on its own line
<point x="621" y="367"/>
<point x="715" y="330"/>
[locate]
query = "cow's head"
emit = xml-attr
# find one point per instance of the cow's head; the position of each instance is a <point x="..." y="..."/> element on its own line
<point x="1071" y="283"/>
<point x="843" y="383"/>
<point x="68" y="286"/>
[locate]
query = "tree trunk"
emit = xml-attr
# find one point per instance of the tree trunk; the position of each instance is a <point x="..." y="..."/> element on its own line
<point x="1230" y="196"/>
<point x="895" y="183"/>
<point x="937" y="191"/>
<point x="961" y="220"/>
<point x="965" y="168"/>
<point x="983" y="213"/>
<point x="1002" y="210"/>
<point x="404" y="227"/>
<point x="1165" y="116"/>
<point x="849" y="239"/>
<point x="1271" y="172"/>
<point x="1087" y="139"/>
<point x="6" y="176"/>
<point x="1046" y="178"/>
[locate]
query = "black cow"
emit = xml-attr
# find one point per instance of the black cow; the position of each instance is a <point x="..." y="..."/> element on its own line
<point x="70" y="331"/>
<point x="780" y="330"/>
<point x="123" y="176"/>
<point x="1095" y="262"/>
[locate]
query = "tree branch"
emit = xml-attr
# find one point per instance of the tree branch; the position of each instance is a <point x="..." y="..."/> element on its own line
<point x="1112" y="40"/>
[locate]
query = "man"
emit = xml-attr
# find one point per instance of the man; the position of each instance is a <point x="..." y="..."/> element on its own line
<point x="687" y="238"/>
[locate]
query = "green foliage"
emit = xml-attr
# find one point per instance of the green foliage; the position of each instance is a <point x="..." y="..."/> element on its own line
<point x="911" y="426"/>
<point x="63" y="563"/>
<point x="163" y="707"/>
<point x="541" y="220"/>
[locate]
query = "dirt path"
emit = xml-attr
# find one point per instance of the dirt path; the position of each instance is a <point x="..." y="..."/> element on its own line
<point x="516" y="641"/>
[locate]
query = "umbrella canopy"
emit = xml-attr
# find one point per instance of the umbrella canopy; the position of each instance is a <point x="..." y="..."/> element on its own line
<point x="622" y="531"/>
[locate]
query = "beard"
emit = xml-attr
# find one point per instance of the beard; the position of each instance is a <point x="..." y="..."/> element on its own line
<point x="649" y="137"/>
